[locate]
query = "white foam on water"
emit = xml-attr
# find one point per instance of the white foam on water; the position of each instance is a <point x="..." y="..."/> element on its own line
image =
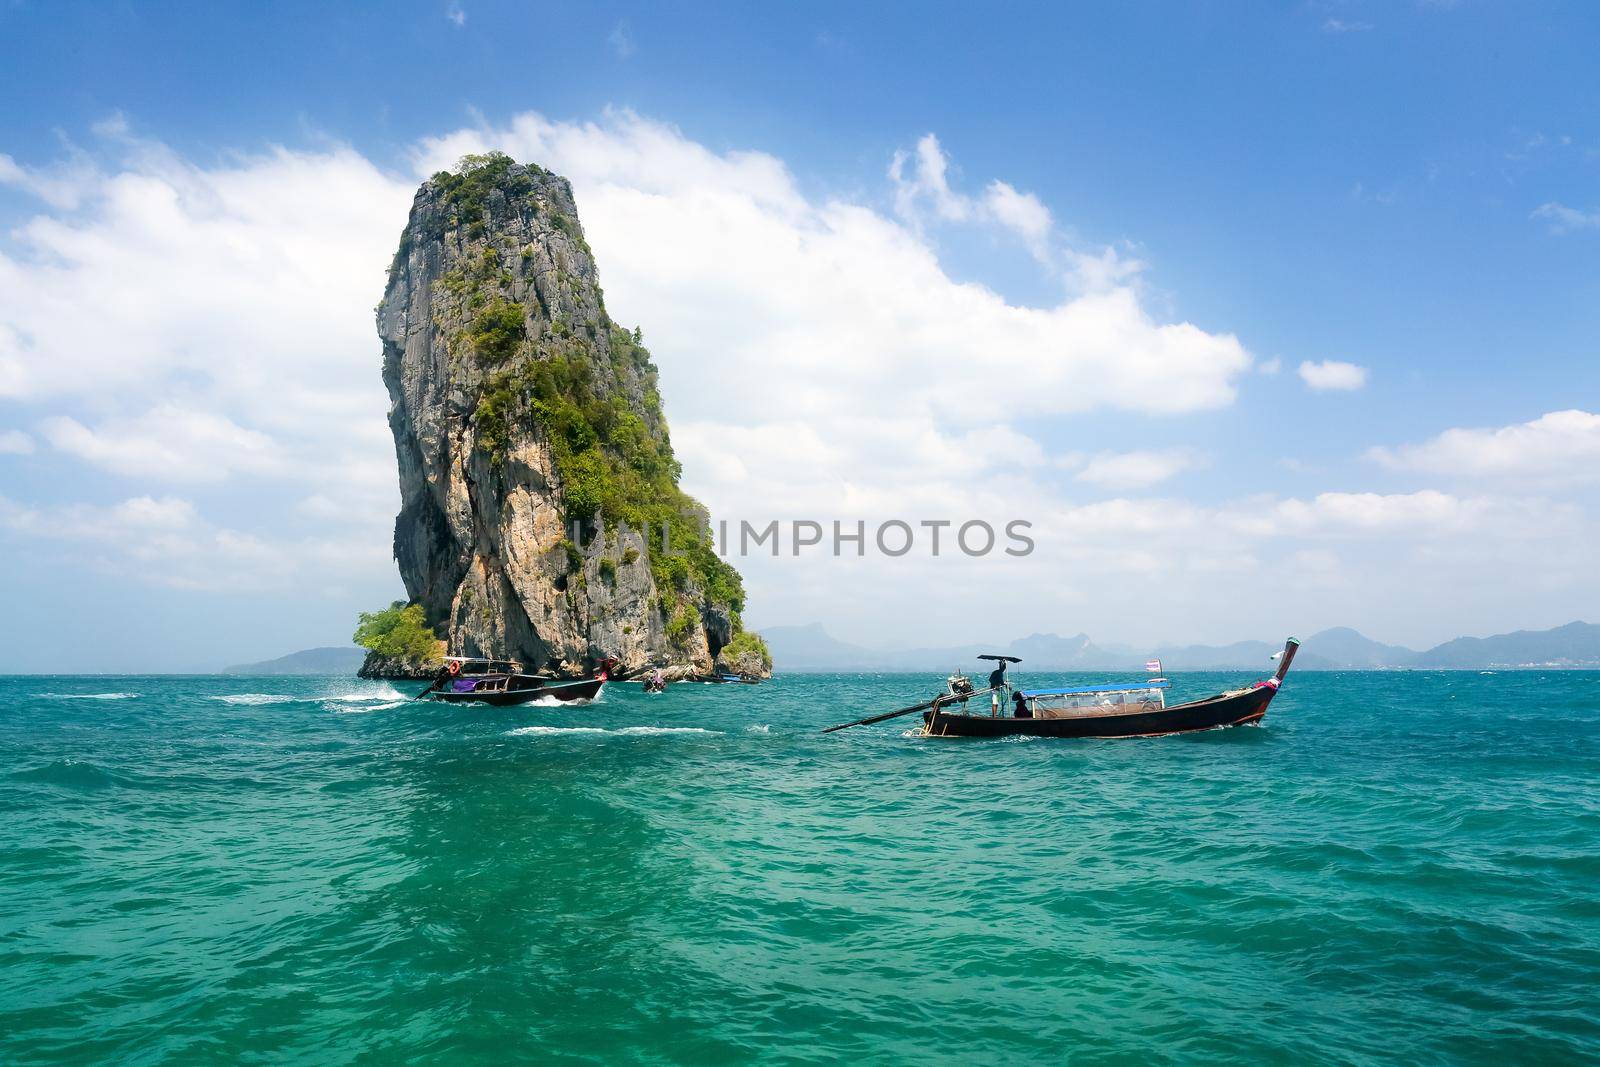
<point x="758" y="728"/>
<point x="90" y="696"/>
<point x="533" y="731"/>
<point x="651" y="730"/>
<point x="630" y="731"/>
<point x="383" y="692"/>
<point x="553" y="702"/>
<point x="363" y="709"/>
<point x="255" y="698"/>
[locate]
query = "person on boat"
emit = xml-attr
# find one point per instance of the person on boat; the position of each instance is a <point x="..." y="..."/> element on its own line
<point x="997" y="677"/>
<point x="441" y="678"/>
<point x="1021" y="709"/>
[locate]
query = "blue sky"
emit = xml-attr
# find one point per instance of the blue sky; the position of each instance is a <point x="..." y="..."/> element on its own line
<point x="1412" y="189"/>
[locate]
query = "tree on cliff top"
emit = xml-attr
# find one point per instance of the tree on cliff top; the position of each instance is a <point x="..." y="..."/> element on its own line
<point x="399" y="632"/>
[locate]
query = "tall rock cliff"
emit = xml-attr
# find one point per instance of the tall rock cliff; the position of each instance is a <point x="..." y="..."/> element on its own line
<point x="520" y="409"/>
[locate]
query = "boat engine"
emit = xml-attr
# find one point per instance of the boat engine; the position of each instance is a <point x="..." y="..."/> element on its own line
<point x="960" y="686"/>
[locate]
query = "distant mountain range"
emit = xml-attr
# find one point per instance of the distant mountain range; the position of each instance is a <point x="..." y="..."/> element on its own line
<point x="811" y="648"/>
<point x="1577" y="644"/>
<point x="309" y="661"/>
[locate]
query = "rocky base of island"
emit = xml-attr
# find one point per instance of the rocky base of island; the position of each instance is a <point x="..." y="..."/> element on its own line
<point x="379" y="667"/>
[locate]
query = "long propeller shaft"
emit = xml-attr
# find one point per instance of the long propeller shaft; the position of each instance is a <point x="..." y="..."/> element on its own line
<point x="924" y="706"/>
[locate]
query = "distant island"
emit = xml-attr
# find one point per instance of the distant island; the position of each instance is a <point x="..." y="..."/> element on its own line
<point x="1573" y="646"/>
<point x="326" y="660"/>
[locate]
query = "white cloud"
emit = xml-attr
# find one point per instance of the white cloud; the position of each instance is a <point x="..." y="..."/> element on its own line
<point x="165" y="541"/>
<point x="456" y="14"/>
<point x="1338" y="25"/>
<point x="215" y="322"/>
<point x="148" y="513"/>
<point x="253" y="276"/>
<point x="1326" y="515"/>
<point x="15" y="443"/>
<point x="926" y="181"/>
<point x="63" y="185"/>
<point x="160" y="539"/>
<point x="1022" y="213"/>
<point x="1561" y="447"/>
<point x="1362" y="195"/>
<point x="1563" y="219"/>
<point x="1331" y="513"/>
<point x="621" y="40"/>
<point x="1332" y="374"/>
<point x="921" y="180"/>
<point x="168" y="443"/>
<point x="1269" y="565"/>
<point x="1136" y="470"/>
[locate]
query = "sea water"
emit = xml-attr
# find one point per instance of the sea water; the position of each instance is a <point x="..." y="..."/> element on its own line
<point x="1394" y="867"/>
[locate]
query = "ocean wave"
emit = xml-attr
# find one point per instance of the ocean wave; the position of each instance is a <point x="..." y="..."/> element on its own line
<point x="758" y="728"/>
<point x="629" y="731"/>
<point x="74" y="774"/>
<point x="255" y="698"/>
<point x="387" y="692"/>
<point x="89" y="696"/>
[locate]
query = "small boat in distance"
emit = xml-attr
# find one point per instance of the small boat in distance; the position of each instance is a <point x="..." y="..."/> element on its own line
<point x="501" y="683"/>
<point x="1100" y="711"/>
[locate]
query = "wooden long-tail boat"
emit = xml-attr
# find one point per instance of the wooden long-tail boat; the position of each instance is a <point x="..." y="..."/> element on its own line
<point x="1106" y="711"/>
<point x="1133" y="710"/>
<point x="501" y="683"/>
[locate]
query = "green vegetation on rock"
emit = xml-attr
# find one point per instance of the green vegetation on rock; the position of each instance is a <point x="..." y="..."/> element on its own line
<point x="748" y="642"/>
<point x="680" y="624"/>
<point x="398" y="631"/>
<point x="467" y="190"/>
<point x="613" y="468"/>
<point x="497" y="330"/>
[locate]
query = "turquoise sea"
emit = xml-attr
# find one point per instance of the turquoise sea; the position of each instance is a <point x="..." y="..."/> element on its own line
<point x="1395" y="867"/>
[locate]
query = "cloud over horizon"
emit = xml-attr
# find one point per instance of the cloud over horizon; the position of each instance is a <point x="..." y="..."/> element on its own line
<point x="166" y="324"/>
<point x="1560" y="448"/>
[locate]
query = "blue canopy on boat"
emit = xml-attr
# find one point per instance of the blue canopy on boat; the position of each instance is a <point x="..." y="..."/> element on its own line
<point x="1129" y="687"/>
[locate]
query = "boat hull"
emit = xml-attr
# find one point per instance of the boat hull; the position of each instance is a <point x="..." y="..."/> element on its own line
<point x="562" y="691"/>
<point x="1228" y="709"/>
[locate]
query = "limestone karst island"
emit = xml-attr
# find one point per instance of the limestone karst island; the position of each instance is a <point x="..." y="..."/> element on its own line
<point x="541" y="519"/>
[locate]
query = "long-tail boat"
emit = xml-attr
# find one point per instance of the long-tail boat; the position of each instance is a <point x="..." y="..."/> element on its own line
<point x="465" y="680"/>
<point x="1125" y="710"/>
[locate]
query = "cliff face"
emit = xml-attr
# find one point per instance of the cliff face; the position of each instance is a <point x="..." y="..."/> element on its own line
<point x="519" y="408"/>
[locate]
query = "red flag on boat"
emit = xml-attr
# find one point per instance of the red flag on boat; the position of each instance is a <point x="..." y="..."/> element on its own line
<point x="1153" y="665"/>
